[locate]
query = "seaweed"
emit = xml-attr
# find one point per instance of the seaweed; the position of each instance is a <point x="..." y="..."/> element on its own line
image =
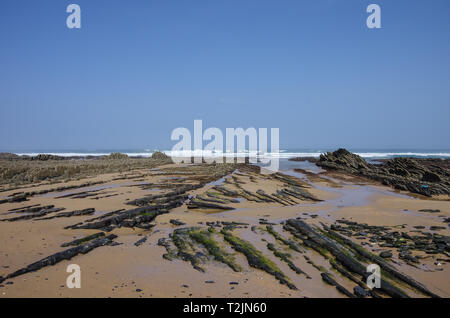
<point x="206" y="239"/>
<point x="285" y="257"/>
<point x="256" y="259"/>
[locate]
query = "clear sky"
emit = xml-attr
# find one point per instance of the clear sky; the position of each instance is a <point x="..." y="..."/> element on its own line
<point x="138" y="69"/>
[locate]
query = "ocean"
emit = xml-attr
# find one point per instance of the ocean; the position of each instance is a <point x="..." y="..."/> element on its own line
<point x="282" y="154"/>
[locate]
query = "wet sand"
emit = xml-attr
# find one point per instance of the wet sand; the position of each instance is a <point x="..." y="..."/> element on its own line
<point x="127" y="270"/>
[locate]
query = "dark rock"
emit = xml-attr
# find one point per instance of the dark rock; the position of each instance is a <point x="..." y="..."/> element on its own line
<point x="317" y="241"/>
<point x="256" y="259"/>
<point x="437" y="228"/>
<point x="83" y="240"/>
<point x="327" y="279"/>
<point x="299" y="193"/>
<point x="117" y="156"/>
<point x="141" y="241"/>
<point x="159" y="155"/>
<point x="200" y="204"/>
<point x="423" y="176"/>
<point x="42" y="212"/>
<point x="70" y="214"/>
<point x="430" y="210"/>
<point x="131" y="218"/>
<point x="431" y="177"/>
<point x="17" y="198"/>
<point x="46" y="157"/>
<point x="361" y="292"/>
<point x="177" y="222"/>
<point x="385" y="254"/>
<point x="345" y="159"/>
<point x="64" y="255"/>
<point x="266" y="223"/>
<point x="177" y="195"/>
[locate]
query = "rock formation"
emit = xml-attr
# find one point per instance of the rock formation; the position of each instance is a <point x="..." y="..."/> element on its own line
<point x="423" y="176"/>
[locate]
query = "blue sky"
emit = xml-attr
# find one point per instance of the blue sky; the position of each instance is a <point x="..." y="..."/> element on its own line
<point x="138" y="69"/>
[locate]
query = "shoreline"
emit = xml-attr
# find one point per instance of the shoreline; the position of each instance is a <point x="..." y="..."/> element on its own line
<point x="288" y="154"/>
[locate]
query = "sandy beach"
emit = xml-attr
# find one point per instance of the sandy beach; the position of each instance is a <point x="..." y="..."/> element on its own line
<point x="221" y="231"/>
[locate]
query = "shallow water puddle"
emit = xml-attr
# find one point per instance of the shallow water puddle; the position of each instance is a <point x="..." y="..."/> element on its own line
<point x="217" y="182"/>
<point x="432" y="216"/>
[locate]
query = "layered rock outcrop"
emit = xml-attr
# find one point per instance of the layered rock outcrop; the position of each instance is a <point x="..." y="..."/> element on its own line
<point x="423" y="176"/>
